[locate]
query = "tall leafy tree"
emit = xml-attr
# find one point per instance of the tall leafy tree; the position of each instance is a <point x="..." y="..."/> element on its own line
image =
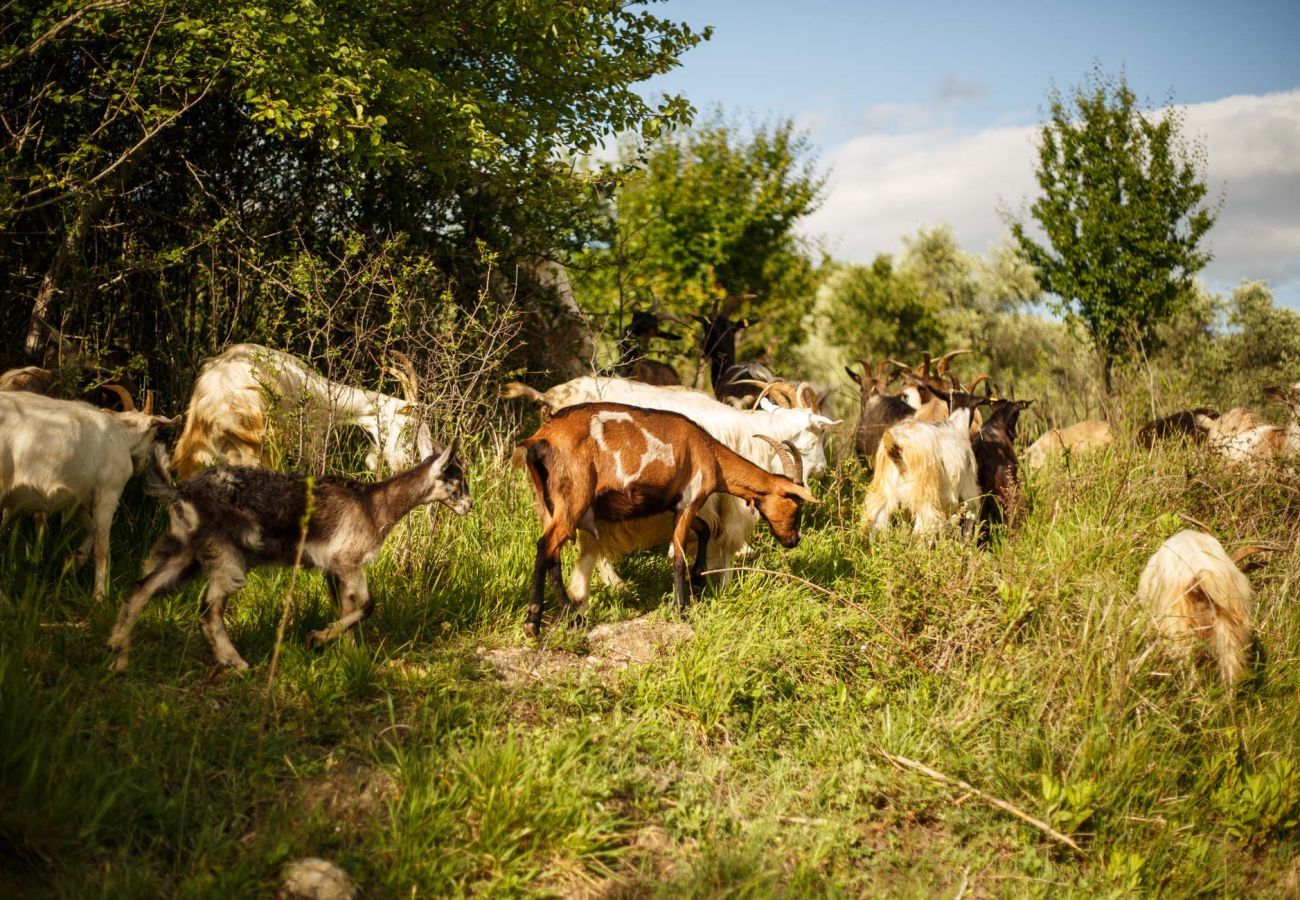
<point x="1123" y="211"/>
<point x="712" y="213"/>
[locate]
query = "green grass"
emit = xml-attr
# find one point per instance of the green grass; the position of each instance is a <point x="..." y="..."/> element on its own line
<point x="746" y="762"/>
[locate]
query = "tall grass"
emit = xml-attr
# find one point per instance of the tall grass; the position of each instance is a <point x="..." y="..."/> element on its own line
<point x="748" y="761"/>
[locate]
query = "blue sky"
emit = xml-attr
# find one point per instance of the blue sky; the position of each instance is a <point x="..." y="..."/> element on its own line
<point x="923" y="112"/>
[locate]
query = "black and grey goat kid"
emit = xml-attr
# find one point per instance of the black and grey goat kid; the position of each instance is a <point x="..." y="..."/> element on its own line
<point x="227" y="520"/>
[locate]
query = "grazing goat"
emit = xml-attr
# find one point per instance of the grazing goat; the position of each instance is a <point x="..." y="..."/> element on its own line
<point x="879" y="409"/>
<point x="1198" y="594"/>
<point x="227" y="520"/>
<point x="609" y="462"/>
<point x="731" y="522"/>
<point x="927" y="468"/>
<point x="1081" y="437"/>
<point x="33" y="379"/>
<point x="237" y="393"/>
<point x="995" y="462"/>
<point x="1242" y="437"/>
<point x="632" y="362"/>
<point x="69" y="457"/>
<point x="1183" y="425"/>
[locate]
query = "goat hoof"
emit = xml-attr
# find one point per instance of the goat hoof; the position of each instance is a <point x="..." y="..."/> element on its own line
<point x="118" y="664"/>
<point x="532" y="629"/>
<point x="316" y="640"/>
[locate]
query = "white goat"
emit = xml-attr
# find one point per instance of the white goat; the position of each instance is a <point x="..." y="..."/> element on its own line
<point x="927" y="468"/>
<point x="238" y="392"/>
<point x="69" y="457"/>
<point x="730" y="520"/>
<point x="1079" y="438"/>
<point x="1196" y="593"/>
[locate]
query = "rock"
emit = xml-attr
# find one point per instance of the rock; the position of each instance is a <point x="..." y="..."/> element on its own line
<point x="312" y="878"/>
<point x="612" y="647"/>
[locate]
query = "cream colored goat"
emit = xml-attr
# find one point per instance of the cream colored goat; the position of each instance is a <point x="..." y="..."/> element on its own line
<point x="1200" y="599"/>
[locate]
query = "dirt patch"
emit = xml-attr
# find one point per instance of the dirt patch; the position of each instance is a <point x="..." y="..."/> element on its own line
<point x="351" y="792"/>
<point x="612" y="647"/>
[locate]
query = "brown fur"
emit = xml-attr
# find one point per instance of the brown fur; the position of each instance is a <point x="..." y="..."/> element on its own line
<point x="607" y="461"/>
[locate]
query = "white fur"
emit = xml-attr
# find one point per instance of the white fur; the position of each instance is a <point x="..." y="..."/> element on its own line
<point x="1242" y="437"/>
<point x="926" y="468"/>
<point x="1195" y="593"/>
<point x="65" y="456"/>
<point x="238" y="392"/>
<point x="1078" y="438"/>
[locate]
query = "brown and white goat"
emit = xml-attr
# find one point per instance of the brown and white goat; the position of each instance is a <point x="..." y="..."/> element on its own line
<point x="65" y="456"/>
<point x="1200" y="599"/>
<point x="1182" y="425"/>
<point x="609" y="462"/>
<point x="996" y="466"/>
<point x="239" y="393"/>
<point x="1240" y="436"/>
<point x="228" y="519"/>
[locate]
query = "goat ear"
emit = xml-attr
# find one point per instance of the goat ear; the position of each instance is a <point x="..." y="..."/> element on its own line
<point x="164" y="422"/>
<point x="803" y="494"/>
<point x="824" y="422"/>
<point x="441" y="463"/>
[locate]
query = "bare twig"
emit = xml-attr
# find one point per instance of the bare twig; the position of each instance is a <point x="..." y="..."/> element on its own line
<point x="987" y="798"/>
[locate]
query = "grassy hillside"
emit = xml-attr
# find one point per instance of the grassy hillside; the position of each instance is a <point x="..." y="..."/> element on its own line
<point x="752" y="758"/>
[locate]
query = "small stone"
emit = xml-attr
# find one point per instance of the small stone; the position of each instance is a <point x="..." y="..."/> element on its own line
<point x="312" y="878"/>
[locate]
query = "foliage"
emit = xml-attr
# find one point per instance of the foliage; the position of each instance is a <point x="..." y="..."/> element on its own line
<point x="1121" y="209"/>
<point x="712" y="213"/>
<point x="149" y="144"/>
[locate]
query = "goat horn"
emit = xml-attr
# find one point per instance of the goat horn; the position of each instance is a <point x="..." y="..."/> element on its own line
<point x="1242" y="553"/>
<point x="789" y="457"/>
<point x="148" y="403"/>
<point x="406" y="377"/>
<point x="976" y="381"/>
<point x="785" y="393"/>
<point x="902" y="367"/>
<point x="128" y="404"/>
<point x="806" y="396"/>
<point x="941" y="367"/>
<point x="769" y="388"/>
<point x="924" y="368"/>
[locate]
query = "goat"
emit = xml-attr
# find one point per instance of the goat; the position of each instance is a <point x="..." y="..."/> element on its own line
<point x="632" y="361"/>
<point x="1194" y="590"/>
<point x="69" y="457"/>
<point x="732" y="384"/>
<point x="610" y="462"/>
<point x="1184" y="424"/>
<point x="927" y="468"/>
<point x="32" y="379"/>
<point x="238" y="392"/>
<point x="996" y="466"/>
<point x="879" y="409"/>
<point x="730" y="520"/>
<point x="1082" y="437"/>
<point x="1242" y="437"/>
<point x="228" y="520"/>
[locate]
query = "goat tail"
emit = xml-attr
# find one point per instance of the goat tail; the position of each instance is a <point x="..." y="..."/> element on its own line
<point x="516" y="390"/>
<point x="158" y="476"/>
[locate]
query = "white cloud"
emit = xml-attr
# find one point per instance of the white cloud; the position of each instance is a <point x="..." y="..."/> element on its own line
<point x="885" y="186"/>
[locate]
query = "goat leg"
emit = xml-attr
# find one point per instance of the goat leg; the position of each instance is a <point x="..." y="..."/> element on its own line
<point x="355" y="604"/>
<point x="702" y="534"/>
<point x="537" y="600"/>
<point x="225" y="580"/>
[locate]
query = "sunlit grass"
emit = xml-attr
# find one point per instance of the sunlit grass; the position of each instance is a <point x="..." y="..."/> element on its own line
<point x="746" y="761"/>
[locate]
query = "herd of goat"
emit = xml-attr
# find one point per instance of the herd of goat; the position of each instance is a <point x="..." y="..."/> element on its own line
<point x="620" y="463"/>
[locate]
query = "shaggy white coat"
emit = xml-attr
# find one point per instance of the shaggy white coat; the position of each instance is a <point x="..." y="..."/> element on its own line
<point x="1199" y="599"/>
<point x="237" y="393"/>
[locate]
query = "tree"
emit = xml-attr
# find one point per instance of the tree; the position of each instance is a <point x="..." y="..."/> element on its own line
<point x="878" y="311"/>
<point x="712" y="213"/>
<point x="157" y="158"/>
<point x="1122" y="212"/>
